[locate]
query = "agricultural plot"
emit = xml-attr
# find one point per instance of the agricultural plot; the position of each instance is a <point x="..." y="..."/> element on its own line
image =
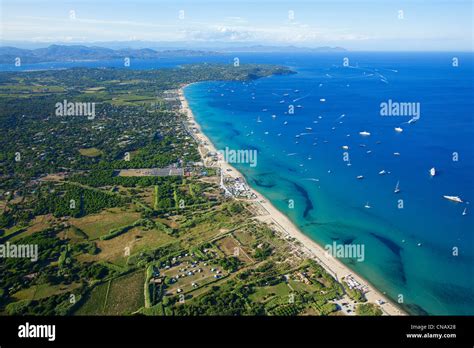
<point x="231" y="247"/>
<point x="125" y="294"/>
<point x="39" y="223"/>
<point x="118" y="249"/>
<point x="280" y="292"/>
<point x="245" y="237"/>
<point x="37" y="292"/>
<point x="94" y="302"/>
<point x="90" y="152"/>
<point x="97" y="225"/>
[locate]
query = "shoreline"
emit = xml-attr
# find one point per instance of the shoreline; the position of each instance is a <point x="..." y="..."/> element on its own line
<point x="276" y="218"/>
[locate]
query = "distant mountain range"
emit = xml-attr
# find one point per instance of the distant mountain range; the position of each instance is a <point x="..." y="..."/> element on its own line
<point x="55" y="53"/>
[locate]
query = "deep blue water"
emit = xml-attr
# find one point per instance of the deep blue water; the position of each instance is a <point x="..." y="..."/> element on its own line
<point x="329" y="206"/>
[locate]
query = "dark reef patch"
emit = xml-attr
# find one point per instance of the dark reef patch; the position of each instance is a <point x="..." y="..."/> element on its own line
<point x="394" y="247"/>
<point x="262" y="183"/>
<point x="308" y="204"/>
<point x="414" y="309"/>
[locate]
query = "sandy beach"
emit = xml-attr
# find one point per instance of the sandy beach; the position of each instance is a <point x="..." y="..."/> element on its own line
<point x="280" y="221"/>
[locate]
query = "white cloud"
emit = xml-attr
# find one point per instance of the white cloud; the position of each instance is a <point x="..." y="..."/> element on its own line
<point x="232" y="29"/>
<point x="293" y="33"/>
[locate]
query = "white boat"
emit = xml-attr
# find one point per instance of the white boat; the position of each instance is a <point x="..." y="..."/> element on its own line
<point x="396" y="153"/>
<point x="345" y="147"/>
<point x="382" y="172"/>
<point x="464" y="212"/>
<point x="286" y="122"/>
<point x="453" y="198"/>
<point x="258" y="119"/>
<point x="322" y="100"/>
<point x="309" y="128"/>
<point x="274" y="116"/>
<point x="397" y="187"/>
<point x="433" y="171"/>
<point x="364" y="133"/>
<point x="367" y="205"/>
<point x="360" y="177"/>
<point x="398" y="129"/>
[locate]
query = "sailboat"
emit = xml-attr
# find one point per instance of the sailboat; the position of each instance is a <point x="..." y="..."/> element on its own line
<point x="397" y="188"/>
<point x="464" y="212"/>
<point x="433" y="171"/>
<point x="258" y="119"/>
<point x="367" y="205"/>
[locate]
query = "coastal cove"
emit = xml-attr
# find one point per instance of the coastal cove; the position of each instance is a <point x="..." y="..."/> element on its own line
<point x="302" y="161"/>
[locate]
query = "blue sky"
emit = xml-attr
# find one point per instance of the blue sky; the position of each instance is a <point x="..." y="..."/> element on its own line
<point x="353" y="24"/>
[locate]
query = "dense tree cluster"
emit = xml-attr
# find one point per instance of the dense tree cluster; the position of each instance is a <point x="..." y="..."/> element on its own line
<point x="70" y="200"/>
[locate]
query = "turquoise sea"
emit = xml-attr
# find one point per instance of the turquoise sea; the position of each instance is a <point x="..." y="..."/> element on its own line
<point x="408" y="250"/>
<point x="418" y="245"/>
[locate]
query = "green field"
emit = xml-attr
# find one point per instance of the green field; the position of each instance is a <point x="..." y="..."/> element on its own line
<point x="95" y="301"/>
<point x="97" y="225"/>
<point x="126" y="294"/>
<point x="90" y="152"/>
<point x="123" y="295"/>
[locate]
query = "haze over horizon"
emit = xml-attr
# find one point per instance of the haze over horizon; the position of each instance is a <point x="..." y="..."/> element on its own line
<point x="367" y="26"/>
